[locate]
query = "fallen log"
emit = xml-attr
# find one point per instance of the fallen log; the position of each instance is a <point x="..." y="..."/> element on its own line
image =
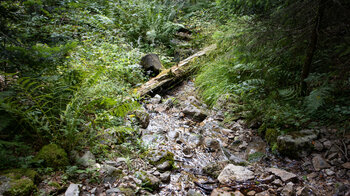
<point x="169" y="78"/>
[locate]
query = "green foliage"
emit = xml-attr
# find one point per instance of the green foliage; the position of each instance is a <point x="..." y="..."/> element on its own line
<point x="261" y="52"/>
<point x="148" y="21"/>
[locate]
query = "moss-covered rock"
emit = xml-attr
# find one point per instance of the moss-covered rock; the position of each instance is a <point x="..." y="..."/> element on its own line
<point x="53" y="156"/>
<point x="128" y="191"/>
<point x="294" y="143"/>
<point x="20" y="182"/>
<point x="20" y="187"/>
<point x="157" y="158"/>
<point x="16" y="174"/>
<point x="271" y="136"/>
<point x="149" y="181"/>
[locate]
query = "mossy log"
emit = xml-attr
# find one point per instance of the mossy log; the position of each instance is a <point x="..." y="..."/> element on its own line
<point x="169" y="78"/>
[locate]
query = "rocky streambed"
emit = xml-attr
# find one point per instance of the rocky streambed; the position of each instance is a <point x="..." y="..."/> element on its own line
<point x="192" y="152"/>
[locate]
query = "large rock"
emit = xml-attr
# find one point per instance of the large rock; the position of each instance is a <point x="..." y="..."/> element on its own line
<point x="195" y="112"/>
<point x="151" y="62"/>
<point x="284" y="175"/>
<point x="235" y="173"/>
<point x="319" y="163"/>
<point x="294" y="143"/>
<point x="73" y="190"/>
<point x="87" y="160"/>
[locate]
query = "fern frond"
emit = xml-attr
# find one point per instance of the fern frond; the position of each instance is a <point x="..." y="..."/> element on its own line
<point x="317" y="98"/>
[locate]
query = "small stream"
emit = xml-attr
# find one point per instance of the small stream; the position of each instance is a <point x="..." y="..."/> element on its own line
<point x="194" y="143"/>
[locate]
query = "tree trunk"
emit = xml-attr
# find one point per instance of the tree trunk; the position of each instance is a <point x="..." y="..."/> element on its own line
<point x="312" y="47"/>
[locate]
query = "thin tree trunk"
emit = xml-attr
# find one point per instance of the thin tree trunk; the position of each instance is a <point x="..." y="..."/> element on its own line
<point x="312" y="47"/>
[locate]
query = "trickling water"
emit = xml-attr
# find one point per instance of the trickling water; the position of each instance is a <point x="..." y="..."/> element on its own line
<point x="194" y="144"/>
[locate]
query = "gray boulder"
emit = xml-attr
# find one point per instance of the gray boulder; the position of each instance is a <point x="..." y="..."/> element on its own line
<point x="151" y="63"/>
<point x="73" y="190"/>
<point x="87" y="160"/>
<point x="195" y="112"/>
<point x="235" y="173"/>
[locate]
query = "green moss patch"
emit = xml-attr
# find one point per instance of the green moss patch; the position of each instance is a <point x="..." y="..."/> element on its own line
<point x="271" y="135"/>
<point x="159" y="157"/>
<point x="16" y="174"/>
<point x="256" y="156"/>
<point x="20" y="187"/>
<point x="53" y="156"/>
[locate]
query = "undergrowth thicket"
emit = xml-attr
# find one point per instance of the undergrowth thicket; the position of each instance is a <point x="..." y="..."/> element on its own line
<point x="262" y="50"/>
<point x="68" y="70"/>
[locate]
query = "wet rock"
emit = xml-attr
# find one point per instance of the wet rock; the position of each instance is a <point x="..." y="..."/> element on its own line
<point x="222" y="192"/>
<point x="195" y="113"/>
<point x="329" y="172"/>
<point x="264" y="193"/>
<point x="292" y="144"/>
<point x="193" y="192"/>
<point x="346" y="165"/>
<point x="236" y="160"/>
<point x="251" y="193"/>
<point x="243" y="145"/>
<point x="236" y="193"/>
<point x="156" y="99"/>
<point x="267" y="179"/>
<point x="150" y="139"/>
<point x="73" y="190"/>
<point x="195" y="140"/>
<point x="219" y="116"/>
<point x="304" y="191"/>
<point x="319" y="163"/>
<point x="151" y="63"/>
<point x="212" y="144"/>
<point x="165" y="166"/>
<point x="277" y="182"/>
<point x="143" y="118"/>
<point x="318" y="146"/>
<point x="284" y="175"/>
<point x="288" y="190"/>
<point x="165" y="177"/>
<point x="112" y="191"/>
<point x="87" y="160"/>
<point x="187" y="152"/>
<point x="235" y="173"/>
<point x="173" y="134"/>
